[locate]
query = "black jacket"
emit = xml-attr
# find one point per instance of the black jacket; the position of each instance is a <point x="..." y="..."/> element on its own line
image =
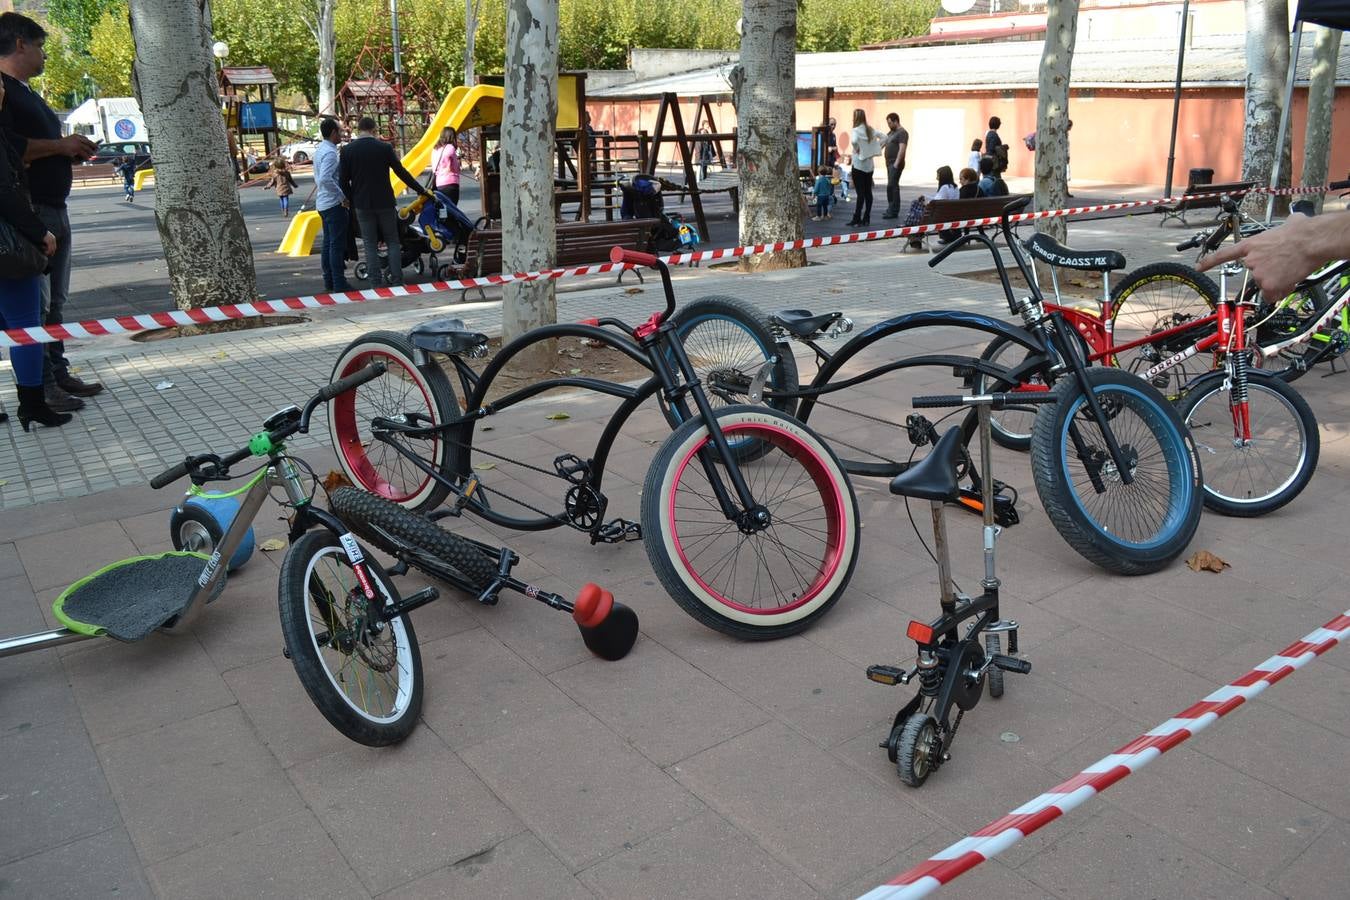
<point x="15" y="207"/>
<point x="363" y="173"/>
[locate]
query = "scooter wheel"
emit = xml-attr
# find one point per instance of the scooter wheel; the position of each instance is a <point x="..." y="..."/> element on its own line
<point x="362" y="271"/>
<point x="918" y="749"/>
<point x="992" y="647"/>
<point x="199" y="525"/>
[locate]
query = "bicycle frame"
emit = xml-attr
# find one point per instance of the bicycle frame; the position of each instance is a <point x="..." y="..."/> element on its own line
<point x="655" y="346"/>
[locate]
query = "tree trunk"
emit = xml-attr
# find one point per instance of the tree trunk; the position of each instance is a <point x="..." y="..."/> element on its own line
<point x="1267" y="69"/>
<point x="764" y="83"/>
<point x="529" y="117"/>
<point x="206" y="244"/>
<point x="1052" y="118"/>
<point x="470" y="29"/>
<point x="326" y="38"/>
<point x="1321" y="92"/>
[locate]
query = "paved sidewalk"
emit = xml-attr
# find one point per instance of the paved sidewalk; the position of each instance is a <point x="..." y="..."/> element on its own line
<point x="195" y="766"/>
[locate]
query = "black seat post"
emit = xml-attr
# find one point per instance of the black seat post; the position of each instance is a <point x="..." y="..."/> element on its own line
<point x="943" y="554"/>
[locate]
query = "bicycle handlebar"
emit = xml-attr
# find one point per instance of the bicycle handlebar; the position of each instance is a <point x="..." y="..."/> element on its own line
<point x="651" y="260"/>
<point x="993" y="401"/>
<point x="222" y="464"/>
<point x="633" y="257"/>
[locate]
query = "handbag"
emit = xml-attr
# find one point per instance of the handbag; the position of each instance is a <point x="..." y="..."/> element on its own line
<point x="19" y="257"/>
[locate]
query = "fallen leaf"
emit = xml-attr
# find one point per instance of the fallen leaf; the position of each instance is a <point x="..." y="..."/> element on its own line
<point x="557" y="416"/>
<point x="221" y="355"/>
<point x="1203" y="559"/>
<point x="573" y="371"/>
<point x="484" y="466"/>
<point x="273" y="544"/>
<point x="633" y="290"/>
<point x="335" y="479"/>
<point x="576" y="354"/>
<point x="836" y="290"/>
<point x="164" y="385"/>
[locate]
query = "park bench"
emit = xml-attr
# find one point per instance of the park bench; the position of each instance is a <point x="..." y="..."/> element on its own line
<point x="1202" y="196"/>
<point x="577" y="242"/>
<point x="938" y="211"/>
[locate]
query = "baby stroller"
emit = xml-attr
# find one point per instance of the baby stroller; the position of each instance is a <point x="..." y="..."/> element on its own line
<point x="445" y="228"/>
<point x="642" y="200"/>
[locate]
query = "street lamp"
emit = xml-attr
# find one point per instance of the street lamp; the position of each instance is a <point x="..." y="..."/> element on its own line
<point x="220" y="50"/>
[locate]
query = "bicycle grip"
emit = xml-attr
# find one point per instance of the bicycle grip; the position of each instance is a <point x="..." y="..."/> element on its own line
<point x="170" y="475"/>
<point x="1339" y="185"/>
<point x="343" y="385"/>
<point x="1189" y="245"/>
<point x="632" y="257"/>
<point x="935" y="401"/>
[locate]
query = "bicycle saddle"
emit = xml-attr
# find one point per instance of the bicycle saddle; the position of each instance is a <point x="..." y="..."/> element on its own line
<point x="934" y="476"/>
<point x="1048" y="250"/>
<point x="800" y="323"/>
<point x="446" y="336"/>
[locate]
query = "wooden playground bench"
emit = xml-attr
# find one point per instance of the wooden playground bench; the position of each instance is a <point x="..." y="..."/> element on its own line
<point x="578" y="243"/>
<point x="1202" y="196"/>
<point x="938" y="211"/>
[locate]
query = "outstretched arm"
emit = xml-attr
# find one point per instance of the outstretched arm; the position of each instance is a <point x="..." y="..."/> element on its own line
<point x="1278" y="259"/>
<point x="408" y="178"/>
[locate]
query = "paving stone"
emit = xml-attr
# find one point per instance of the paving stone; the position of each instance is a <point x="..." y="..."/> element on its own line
<point x="728" y="865"/>
<point x="663" y="707"/>
<point x="104" y="864"/>
<point x="414" y="809"/>
<point x="476" y="689"/>
<point x="60" y="560"/>
<point x="131" y="688"/>
<point x="51" y="790"/>
<point x="287" y="721"/>
<point x="190" y="783"/>
<point x="288" y="857"/>
<point x="1320" y="871"/>
<point x="620" y="796"/>
<point x="823" y="848"/>
<point x="519" y="866"/>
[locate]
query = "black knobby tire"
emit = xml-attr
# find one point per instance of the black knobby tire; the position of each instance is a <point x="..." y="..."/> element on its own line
<point x="992" y="647"/>
<point x="1286" y="444"/>
<point x="314" y="572"/>
<point x="917" y="749"/>
<point x="405" y="534"/>
<point x="1155" y="297"/>
<point x="405" y="389"/>
<point x="772" y="583"/>
<point x="1164" y="459"/>
<point x="729" y="338"/>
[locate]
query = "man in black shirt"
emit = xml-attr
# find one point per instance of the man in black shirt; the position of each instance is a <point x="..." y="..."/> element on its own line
<point x="363" y="172"/>
<point x="35" y="132"/>
<point x="893" y="147"/>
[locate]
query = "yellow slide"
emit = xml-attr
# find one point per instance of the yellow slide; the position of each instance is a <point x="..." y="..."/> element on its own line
<point x="463" y="108"/>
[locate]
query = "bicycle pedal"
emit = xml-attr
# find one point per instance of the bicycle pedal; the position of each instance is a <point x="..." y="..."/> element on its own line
<point x="617" y="531"/>
<point x="465" y="494"/>
<point x="920" y="430"/>
<point x="891" y="675"/>
<point x="573" y="468"/>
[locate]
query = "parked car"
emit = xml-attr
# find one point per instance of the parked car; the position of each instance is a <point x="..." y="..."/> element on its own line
<point x="111" y="152"/>
<point x="299" y="151"/>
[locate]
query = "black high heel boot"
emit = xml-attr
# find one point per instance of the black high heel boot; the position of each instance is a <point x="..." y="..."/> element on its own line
<point x="33" y="408"/>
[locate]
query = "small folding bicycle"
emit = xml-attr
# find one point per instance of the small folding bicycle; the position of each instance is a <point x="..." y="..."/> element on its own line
<point x="952" y="666"/>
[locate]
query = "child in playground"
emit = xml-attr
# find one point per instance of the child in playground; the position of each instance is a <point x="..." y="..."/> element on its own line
<point x="126" y="167"/>
<point x="284" y="183"/>
<point x="841" y="172"/>
<point x="823" y="192"/>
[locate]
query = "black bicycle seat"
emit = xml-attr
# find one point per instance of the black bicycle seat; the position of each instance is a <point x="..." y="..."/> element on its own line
<point x="934" y="476"/>
<point x="800" y="323"/>
<point x="446" y="336"/>
<point x="1048" y="250"/>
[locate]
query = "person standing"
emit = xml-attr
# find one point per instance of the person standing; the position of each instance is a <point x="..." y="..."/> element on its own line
<point x="866" y="147"/>
<point x="994" y="146"/>
<point x="706" y="154"/>
<point x="445" y="165"/>
<point x="334" y="210"/>
<point x="894" y="146"/>
<point x="283" y="182"/>
<point x="34" y="131"/>
<point x="21" y="298"/>
<point x="363" y="171"/>
<point x="126" y="167"/>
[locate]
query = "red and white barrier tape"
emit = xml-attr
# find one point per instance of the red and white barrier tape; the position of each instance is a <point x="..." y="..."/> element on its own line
<point x="40" y="334"/>
<point x="999" y="835"/>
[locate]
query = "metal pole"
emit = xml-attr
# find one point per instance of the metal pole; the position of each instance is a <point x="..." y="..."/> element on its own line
<point x="1284" y="119"/>
<point x="398" y="74"/>
<point x="1176" y="97"/>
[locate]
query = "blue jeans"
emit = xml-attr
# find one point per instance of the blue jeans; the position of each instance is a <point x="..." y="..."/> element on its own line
<point x="21" y="307"/>
<point x="333" y="250"/>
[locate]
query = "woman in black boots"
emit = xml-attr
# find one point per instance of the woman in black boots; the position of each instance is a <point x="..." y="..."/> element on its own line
<point x="21" y="298"/>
